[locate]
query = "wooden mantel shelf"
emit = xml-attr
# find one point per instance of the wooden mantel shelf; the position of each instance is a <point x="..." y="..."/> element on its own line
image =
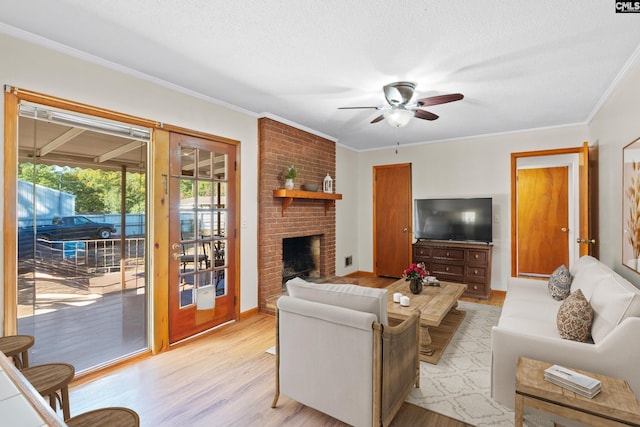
<point x="287" y="197"/>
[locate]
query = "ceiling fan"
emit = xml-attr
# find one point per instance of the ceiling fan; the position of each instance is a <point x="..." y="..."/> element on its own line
<point x="401" y="109"/>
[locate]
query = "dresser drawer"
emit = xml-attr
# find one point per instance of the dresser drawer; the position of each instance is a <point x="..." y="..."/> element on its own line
<point x="447" y="269"/>
<point x="476" y="290"/>
<point x="447" y="253"/>
<point x="421" y="253"/>
<point x="476" y="274"/>
<point x="477" y="257"/>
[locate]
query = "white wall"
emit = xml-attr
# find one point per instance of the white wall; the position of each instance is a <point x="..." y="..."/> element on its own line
<point x="614" y="126"/>
<point x="48" y="71"/>
<point x="346" y="183"/>
<point x="472" y="167"/>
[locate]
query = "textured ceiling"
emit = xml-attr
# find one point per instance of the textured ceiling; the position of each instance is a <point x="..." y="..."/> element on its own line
<point x="520" y="64"/>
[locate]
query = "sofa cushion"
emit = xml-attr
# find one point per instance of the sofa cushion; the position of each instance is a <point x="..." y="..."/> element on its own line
<point x="574" y="317"/>
<point x="361" y="298"/>
<point x="613" y="300"/>
<point x="560" y="283"/>
<point x="587" y="272"/>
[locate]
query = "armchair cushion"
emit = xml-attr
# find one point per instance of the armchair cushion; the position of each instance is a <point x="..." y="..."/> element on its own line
<point x="360" y="298"/>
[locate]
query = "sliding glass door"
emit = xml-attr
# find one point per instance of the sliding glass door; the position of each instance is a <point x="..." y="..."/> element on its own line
<point x="81" y="217"/>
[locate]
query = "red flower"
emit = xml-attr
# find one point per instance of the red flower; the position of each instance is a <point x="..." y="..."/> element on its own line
<point x="415" y="271"/>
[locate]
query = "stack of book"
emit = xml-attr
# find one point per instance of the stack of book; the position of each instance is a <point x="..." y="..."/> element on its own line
<point x="574" y="381"/>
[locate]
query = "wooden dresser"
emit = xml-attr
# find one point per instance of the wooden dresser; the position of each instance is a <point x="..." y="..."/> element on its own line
<point x="468" y="263"/>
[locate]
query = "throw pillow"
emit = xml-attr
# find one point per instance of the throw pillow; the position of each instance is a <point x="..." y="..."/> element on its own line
<point x="560" y="283"/>
<point x="574" y="317"/>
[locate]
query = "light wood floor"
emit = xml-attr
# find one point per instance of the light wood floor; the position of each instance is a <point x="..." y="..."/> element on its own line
<point x="224" y="378"/>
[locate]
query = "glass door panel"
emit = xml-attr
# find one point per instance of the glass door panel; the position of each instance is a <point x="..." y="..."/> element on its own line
<point x="81" y="251"/>
<point x="200" y="296"/>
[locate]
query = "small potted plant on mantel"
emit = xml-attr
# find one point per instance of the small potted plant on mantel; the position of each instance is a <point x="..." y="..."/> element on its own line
<point x="291" y="174"/>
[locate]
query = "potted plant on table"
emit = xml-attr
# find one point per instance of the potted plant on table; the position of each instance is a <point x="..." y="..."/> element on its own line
<point x="415" y="275"/>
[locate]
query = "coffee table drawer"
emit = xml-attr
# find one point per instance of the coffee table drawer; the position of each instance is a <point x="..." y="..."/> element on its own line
<point x="447" y="269"/>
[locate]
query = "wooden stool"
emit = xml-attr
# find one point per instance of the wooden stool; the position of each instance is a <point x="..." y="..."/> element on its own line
<point x="107" y="417"/>
<point x="16" y="347"/>
<point x="50" y="378"/>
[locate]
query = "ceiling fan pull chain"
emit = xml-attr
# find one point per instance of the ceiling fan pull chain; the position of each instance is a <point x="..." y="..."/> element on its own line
<point x="397" y="141"/>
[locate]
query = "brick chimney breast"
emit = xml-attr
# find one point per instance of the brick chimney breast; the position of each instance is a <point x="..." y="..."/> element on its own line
<point x="281" y="146"/>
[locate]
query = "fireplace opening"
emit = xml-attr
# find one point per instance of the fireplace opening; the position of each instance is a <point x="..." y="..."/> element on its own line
<point x="300" y="257"/>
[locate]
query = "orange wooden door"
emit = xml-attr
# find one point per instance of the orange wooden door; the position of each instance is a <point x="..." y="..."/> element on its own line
<point x="392" y="219"/>
<point x="588" y="194"/>
<point x="202" y="194"/>
<point x="542" y="220"/>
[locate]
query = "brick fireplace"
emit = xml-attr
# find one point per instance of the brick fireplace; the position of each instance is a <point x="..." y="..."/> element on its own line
<point x="280" y="146"/>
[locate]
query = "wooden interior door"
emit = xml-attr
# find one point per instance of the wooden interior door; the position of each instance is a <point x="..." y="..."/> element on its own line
<point x="202" y="194"/>
<point x="542" y="220"/>
<point x="392" y="219"/>
<point x="588" y="238"/>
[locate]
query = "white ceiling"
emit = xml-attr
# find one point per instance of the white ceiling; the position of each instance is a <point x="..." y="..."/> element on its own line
<point x="520" y="64"/>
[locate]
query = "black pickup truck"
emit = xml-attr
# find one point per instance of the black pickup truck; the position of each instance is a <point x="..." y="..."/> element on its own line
<point x="71" y="228"/>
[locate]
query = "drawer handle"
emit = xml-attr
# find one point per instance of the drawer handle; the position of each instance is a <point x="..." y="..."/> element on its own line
<point x="476" y="256"/>
<point x="447" y="253"/>
<point x="447" y="269"/>
<point x="475" y="288"/>
<point x="475" y="271"/>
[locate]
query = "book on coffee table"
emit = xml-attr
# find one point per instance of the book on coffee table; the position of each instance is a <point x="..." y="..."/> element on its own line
<point x="573" y="381"/>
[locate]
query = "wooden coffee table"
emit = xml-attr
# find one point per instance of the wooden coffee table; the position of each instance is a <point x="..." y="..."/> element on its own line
<point x="615" y="405"/>
<point x="439" y="318"/>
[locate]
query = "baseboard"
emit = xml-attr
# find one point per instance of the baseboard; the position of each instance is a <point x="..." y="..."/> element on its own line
<point x="361" y="274"/>
<point x="246" y="314"/>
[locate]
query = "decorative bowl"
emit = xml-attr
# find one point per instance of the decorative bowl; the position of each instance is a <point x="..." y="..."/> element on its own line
<point x="310" y="187"/>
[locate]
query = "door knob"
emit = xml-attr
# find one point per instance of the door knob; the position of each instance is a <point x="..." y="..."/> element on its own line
<point x="564" y="229"/>
<point x="586" y="241"/>
<point x="404" y="230"/>
<point x="175" y="246"/>
<point x="176" y="256"/>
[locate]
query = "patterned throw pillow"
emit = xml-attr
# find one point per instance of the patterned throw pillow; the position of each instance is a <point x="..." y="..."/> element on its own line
<point x="560" y="283"/>
<point x="574" y="317"/>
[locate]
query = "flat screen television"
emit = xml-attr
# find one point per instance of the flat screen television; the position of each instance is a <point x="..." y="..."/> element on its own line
<point x="463" y="220"/>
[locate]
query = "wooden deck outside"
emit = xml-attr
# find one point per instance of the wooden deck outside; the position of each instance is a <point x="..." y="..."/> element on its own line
<point x="80" y="314"/>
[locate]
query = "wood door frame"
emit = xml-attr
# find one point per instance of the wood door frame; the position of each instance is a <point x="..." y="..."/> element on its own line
<point x="157" y="213"/>
<point x="375" y="231"/>
<point x="583" y="174"/>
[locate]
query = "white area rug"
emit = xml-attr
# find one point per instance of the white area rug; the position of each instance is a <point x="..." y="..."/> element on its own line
<point x="459" y="386"/>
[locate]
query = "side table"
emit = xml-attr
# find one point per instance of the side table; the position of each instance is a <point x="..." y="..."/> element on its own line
<point x="615" y="405"/>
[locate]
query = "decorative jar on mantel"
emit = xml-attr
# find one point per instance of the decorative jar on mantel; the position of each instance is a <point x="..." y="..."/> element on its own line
<point x="288" y="184"/>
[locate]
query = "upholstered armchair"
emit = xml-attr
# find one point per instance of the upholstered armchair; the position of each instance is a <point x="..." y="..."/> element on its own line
<point x="336" y="352"/>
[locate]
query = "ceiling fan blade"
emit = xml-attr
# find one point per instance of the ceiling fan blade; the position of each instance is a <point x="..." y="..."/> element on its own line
<point x="425" y="115"/>
<point x="357" y="108"/>
<point x="377" y="119"/>
<point x="440" y="99"/>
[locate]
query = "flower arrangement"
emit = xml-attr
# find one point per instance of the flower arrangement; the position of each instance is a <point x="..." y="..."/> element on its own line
<point x="292" y="172"/>
<point x="416" y="271"/>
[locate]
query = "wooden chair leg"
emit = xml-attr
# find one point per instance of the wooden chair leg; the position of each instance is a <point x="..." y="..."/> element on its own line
<point x="66" y="413"/>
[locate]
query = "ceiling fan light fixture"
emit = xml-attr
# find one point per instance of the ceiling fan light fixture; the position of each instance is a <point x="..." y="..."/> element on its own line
<point x="398" y="117"/>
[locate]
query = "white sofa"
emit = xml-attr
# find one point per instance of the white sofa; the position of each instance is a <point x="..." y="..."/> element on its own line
<point x="335" y="352"/>
<point x="527" y="327"/>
